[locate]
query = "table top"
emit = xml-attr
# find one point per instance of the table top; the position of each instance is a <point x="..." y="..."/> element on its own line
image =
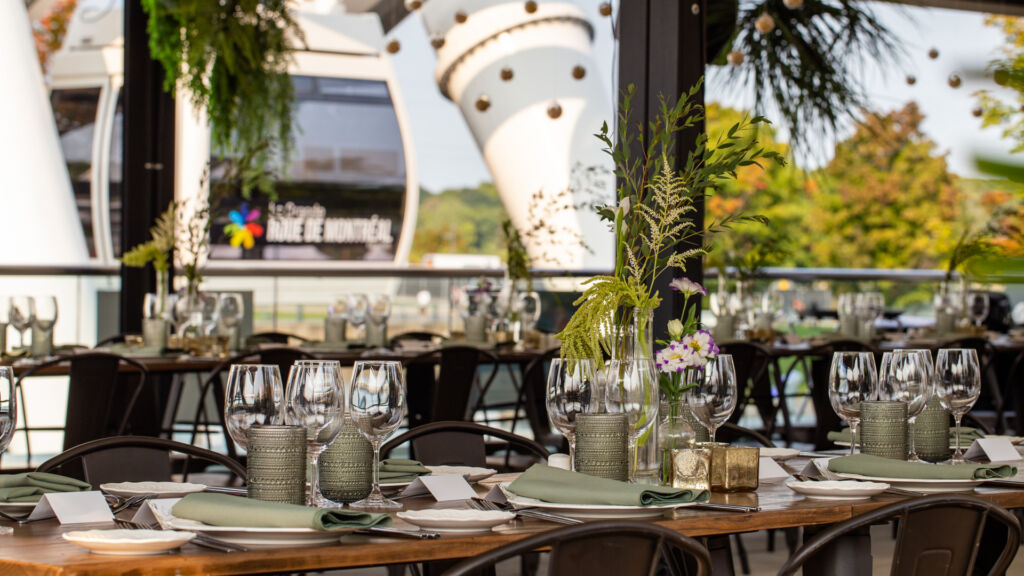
<point x="37" y="549"/>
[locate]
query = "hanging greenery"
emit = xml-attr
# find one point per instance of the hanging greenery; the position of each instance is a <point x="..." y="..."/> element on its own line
<point x="807" y="59"/>
<point x="232" y="56"/>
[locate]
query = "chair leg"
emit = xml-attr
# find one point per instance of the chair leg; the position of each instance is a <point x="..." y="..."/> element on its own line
<point x="741" y="551"/>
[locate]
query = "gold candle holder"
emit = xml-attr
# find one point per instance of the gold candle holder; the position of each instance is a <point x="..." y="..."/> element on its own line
<point x="734" y="468"/>
<point x="691" y="468"/>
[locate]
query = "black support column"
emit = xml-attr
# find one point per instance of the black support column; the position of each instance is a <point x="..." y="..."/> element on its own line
<point x="148" y="164"/>
<point x="662" y="52"/>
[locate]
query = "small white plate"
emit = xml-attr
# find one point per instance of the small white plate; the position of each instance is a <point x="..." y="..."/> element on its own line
<point x="837" y="489"/>
<point x="123" y="542"/>
<point x="780" y="453"/>
<point x="456" y="520"/>
<point x="161" y="489"/>
<point x="17" y="507"/>
<point x="926" y="485"/>
<point x="471" y="473"/>
<point x="591" y="511"/>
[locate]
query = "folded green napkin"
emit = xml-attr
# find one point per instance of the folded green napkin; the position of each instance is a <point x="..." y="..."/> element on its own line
<point x="564" y="487"/>
<point x="395" y="470"/>
<point x="868" y="465"/>
<point x="967" y="435"/>
<point x="228" y="510"/>
<point x="30" y="486"/>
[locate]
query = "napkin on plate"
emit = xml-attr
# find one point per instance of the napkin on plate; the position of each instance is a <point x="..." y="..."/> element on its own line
<point x="876" y="466"/>
<point x="228" y="510"/>
<point x="30" y="486"/>
<point x="967" y="435"/>
<point x="564" y="487"/>
<point x="395" y="470"/>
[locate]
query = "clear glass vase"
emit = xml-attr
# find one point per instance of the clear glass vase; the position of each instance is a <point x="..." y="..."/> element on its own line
<point x="674" y="432"/>
<point x="632" y="338"/>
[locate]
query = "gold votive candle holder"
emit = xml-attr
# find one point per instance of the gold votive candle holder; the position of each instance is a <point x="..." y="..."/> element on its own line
<point x="691" y="468"/>
<point x="734" y="468"/>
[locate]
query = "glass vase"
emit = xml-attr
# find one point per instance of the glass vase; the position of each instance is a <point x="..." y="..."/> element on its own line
<point x="674" y="433"/>
<point x="632" y="338"/>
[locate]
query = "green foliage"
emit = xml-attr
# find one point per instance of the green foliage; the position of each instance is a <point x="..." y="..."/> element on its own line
<point x="157" y="250"/>
<point x="459" y="221"/>
<point x="232" y="56"/>
<point x="1007" y="71"/>
<point x="517" y="259"/>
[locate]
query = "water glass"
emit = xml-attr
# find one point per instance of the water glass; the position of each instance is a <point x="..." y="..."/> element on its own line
<point x="230" y="309"/>
<point x="156" y="308"/>
<point x="356" y="310"/>
<point x="632" y="389"/>
<point x="8" y="407"/>
<point x="714" y="398"/>
<point x="529" y="309"/>
<point x="377" y="408"/>
<point x="906" y="376"/>
<point x="252" y="398"/>
<point x="377" y="313"/>
<point x="852" y="379"/>
<point x="315" y="400"/>
<point x="957" y="384"/>
<point x="21" y="312"/>
<point x="978" y="307"/>
<point x="571" y="391"/>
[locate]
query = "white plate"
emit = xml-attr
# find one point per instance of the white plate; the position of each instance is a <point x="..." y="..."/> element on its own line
<point x="128" y="542"/>
<point x="161" y="489"/>
<point x="456" y="520"/>
<point x="780" y="453"/>
<point x="920" y="484"/>
<point x="471" y="473"/>
<point x="589" y="511"/>
<point x="246" y="536"/>
<point x="837" y="489"/>
<point x="17" y="506"/>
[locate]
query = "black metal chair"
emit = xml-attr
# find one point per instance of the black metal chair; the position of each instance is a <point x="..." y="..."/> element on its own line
<point x="940" y="534"/>
<point x="107" y="460"/>
<point x="457" y="390"/>
<point x="102" y="399"/>
<point x="532" y="401"/>
<point x="461" y="443"/>
<point x="608" y="547"/>
<point x="754" y="382"/>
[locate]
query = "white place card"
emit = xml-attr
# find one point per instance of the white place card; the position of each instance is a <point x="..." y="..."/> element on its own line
<point x="496" y="495"/>
<point x="73" y="508"/>
<point x="443" y="487"/>
<point x="768" y="470"/>
<point x="998" y="449"/>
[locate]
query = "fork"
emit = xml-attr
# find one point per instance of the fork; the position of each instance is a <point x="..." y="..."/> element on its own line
<point x="487" y="505"/>
<point x="199" y="540"/>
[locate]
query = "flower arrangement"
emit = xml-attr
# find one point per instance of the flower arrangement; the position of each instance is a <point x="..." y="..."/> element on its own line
<point x="690" y="347"/>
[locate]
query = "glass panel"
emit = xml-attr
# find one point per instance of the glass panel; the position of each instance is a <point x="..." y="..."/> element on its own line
<point x="75" y="113"/>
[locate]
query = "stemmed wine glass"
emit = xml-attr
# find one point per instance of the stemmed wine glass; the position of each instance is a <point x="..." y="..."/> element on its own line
<point x="632" y="389"/>
<point x="8" y="407"/>
<point x="315" y="400"/>
<point x="529" y="310"/>
<point x="957" y="384"/>
<point x="852" y="379"/>
<point x="356" y="312"/>
<point x="377" y="407"/>
<point x="377" y="313"/>
<point x="978" y="307"/>
<point x="907" y="378"/>
<point x="571" y="387"/>
<point x="230" y="309"/>
<point x="714" y="398"/>
<point x="20" y="311"/>
<point x="252" y="398"/>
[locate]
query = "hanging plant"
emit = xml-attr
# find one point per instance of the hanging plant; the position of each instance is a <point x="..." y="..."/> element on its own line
<point x="807" y="59"/>
<point x="232" y="56"/>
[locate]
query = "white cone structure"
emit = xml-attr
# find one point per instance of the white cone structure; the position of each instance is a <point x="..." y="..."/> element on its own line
<point x="536" y="128"/>
<point x="39" y="225"/>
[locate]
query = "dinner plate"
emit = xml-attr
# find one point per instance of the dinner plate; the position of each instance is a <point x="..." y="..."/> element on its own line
<point x="926" y="485"/>
<point x="17" y="506"/>
<point x="779" y="453"/>
<point x="244" y="535"/>
<point x="591" y="511"/>
<point x="161" y="489"/>
<point x="837" y="489"/>
<point x="122" y="542"/>
<point x="456" y="520"/>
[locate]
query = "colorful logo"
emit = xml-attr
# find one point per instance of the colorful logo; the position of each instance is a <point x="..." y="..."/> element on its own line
<point x="243" y="229"/>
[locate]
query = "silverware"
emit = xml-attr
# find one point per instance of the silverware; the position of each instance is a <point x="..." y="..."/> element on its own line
<point x="385" y="531"/>
<point x="18" y="519"/>
<point x="199" y="540"/>
<point x="722" y="507"/>
<point x="227" y="490"/>
<point x="481" y="504"/>
<point x="127" y="503"/>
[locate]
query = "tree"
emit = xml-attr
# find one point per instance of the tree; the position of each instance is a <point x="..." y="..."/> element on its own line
<point x="460" y="221"/>
<point x="1007" y="71"/>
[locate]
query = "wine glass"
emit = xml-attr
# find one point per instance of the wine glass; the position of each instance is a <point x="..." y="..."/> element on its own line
<point x="908" y="379"/>
<point x="571" y="387"/>
<point x="978" y="307"/>
<point x="957" y="384"/>
<point x="230" y="309"/>
<point x="315" y="400"/>
<point x="252" y="398"/>
<point x="20" y="311"/>
<point x="632" y="389"/>
<point x="155" y="308"/>
<point x="529" y="309"/>
<point x="714" y="398"/>
<point x="8" y="407"/>
<point x="356" y="310"/>
<point x="44" y="312"/>
<point x="377" y="407"/>
<point x="852" y="379"/>
<point x="377" y="313"/>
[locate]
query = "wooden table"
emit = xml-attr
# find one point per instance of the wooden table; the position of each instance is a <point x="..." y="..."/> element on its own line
<point x="38" y="550"/>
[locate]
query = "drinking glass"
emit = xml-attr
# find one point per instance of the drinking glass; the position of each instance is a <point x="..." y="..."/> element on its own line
<point x="378" y="406"/>
<point x="44" y="312"/>
<point x="571" y="387"/>
<point x="957" y="384"/>
<point x="714" y="398"/>
<point x="252" y="398"/>
<point x="230" y="309"/>
<point x="377" y="313"/>
<point x="852" y="379"/>
<point x="20" y="311"/>
<point x="632" y="389"/>
<point x="907" y="378"/>
<point x="978" y="307"/>
<point x="529" y="309"/>
<point x="8" y="407"/>
<point x="155" y="308"/>
<point x="315" y="400"/>
<point x="356" y="310"/>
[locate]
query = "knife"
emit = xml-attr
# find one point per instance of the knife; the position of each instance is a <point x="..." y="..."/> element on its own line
<point x="723" y="507"/>
<point x="414" y="534"/>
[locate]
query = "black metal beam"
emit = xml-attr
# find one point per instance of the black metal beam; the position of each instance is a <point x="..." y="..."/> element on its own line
<point x="662" y="54"/>
<point x="148" y="167"/>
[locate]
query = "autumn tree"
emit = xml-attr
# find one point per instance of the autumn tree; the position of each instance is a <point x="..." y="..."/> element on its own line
<point x="459" y="221"/>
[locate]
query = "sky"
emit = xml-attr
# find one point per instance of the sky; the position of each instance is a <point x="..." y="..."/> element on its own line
<point x="447" y="155"/>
